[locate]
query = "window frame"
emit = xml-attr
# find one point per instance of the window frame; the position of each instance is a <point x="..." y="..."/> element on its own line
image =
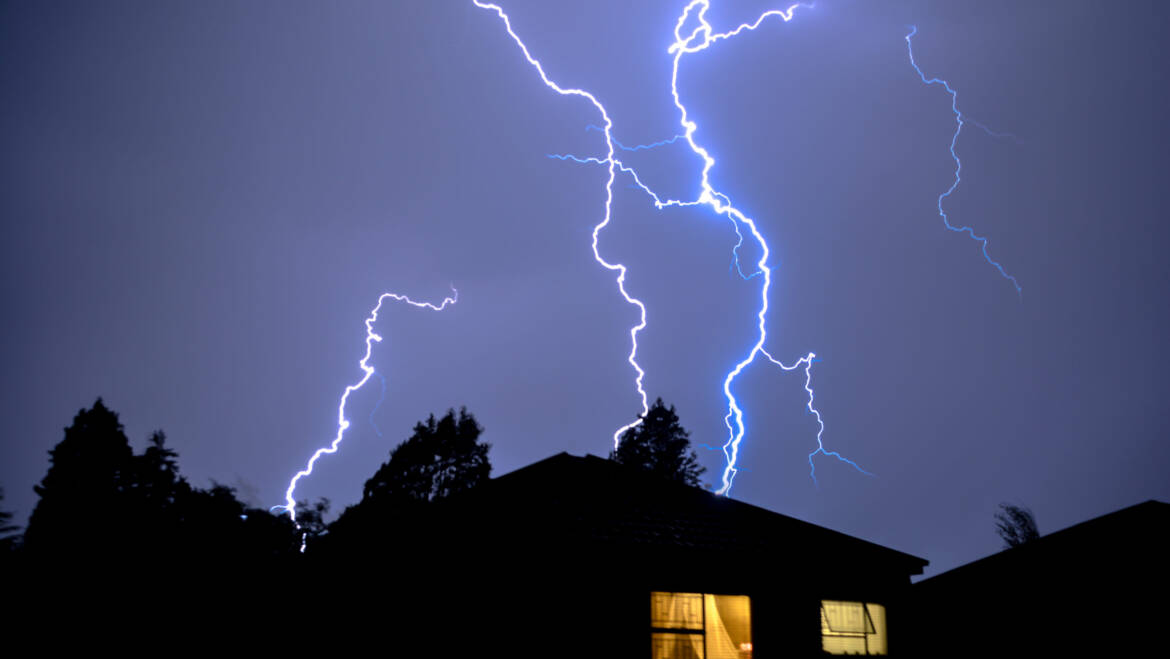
<point x="701" y="631"/>
<point x="865" y="637"/>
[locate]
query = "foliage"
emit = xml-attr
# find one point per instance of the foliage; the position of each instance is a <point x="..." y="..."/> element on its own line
<point x="441" y="458"/>
<point x="1016" y="525"/>
<point x="101" y="502"/>
<point x="660" y="446"/>
<point x="214" y="524"/>
<point x="100" y="499"/>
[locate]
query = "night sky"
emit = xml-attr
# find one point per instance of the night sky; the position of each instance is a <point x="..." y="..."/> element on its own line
<point x="202" y="201"/>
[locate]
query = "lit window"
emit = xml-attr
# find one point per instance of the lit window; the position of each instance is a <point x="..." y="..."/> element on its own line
<point x="853" y="627"/>
<point x="700" y="626"/>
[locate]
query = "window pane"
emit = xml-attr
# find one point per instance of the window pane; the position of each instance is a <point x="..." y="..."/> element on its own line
<point x="729" y="626"/>
<point x="676" y="610"/>
<point x="846" y="617"/>
<point x="843" y="644"/>
<point x="853" y="628"/>
<point x="676" y="646"/>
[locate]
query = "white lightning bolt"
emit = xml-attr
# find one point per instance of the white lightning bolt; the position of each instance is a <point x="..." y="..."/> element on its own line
<point x="368" y="371"/>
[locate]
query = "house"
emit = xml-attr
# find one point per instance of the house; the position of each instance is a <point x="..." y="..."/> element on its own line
<point x="584" y="556"/>
<point x="1099" y="587"/>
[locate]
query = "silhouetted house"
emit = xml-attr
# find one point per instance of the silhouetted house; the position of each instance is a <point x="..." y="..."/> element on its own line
<point x="1099" y="586"/>
<point x="583" y="556"/>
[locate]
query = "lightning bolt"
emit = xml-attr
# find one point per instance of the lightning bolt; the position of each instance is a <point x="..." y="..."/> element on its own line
<point x="959" y="121"/>
<point x="699" y="39"/>
<point x="638" y="147"/>
<point x="372" y="337"/>
<point x="820" y="449"/>
<point x="611" y="165"/>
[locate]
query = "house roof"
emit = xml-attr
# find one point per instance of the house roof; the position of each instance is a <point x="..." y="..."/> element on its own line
<point x="600" y="502"/>
<point x="1128" y="536"/>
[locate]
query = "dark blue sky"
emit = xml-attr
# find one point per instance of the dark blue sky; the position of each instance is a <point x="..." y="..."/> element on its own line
<point x="202" y="201"/>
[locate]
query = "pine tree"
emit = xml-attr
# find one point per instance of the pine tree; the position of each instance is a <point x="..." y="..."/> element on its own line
<point x="660" y="446"/>
<point x="85" y="496"/>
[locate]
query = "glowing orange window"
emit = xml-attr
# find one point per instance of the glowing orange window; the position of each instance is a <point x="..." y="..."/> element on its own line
<point x="700" y="626"/>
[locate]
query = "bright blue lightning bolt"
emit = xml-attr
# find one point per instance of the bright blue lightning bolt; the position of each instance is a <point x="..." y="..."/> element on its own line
<point x="698" y="40"/>
<point x="959" y="121"/>
<point x="368" y="371"/>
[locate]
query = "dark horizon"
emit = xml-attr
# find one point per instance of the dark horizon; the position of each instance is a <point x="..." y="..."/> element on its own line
<point x="203" y="202"/>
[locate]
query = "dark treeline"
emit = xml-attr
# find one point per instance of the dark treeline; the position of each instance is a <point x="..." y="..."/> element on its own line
<point x="100" y="501"/>
<point x="118" y="536"/>
<point x="121" y="542"/>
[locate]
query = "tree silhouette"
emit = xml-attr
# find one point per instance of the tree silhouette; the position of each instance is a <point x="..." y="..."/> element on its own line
<point x="158" y="495"/>
<point x="1016" y="525"/>
<point x="660" y="446"/>
<point x="84" y="497"/>
<point x="217" y="526"/>
<point x="441" y="458"/>
<point x="157" y="476"/>
<point x="100" y="500"/>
